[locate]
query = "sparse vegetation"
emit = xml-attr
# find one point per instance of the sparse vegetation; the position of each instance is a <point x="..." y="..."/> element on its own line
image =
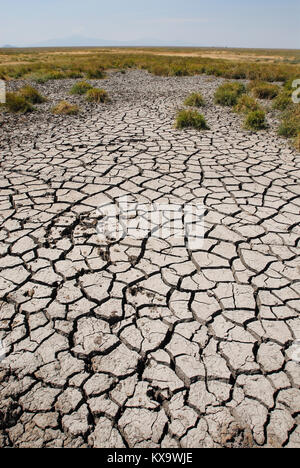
<point x="42" y="65"/>
<point x="246" y="104"/>
<point x="190" y="119"/>
<point x="80" y="88"/>
<point x="228" y="93"/>
<point x="17" y="103"/>
<point x="31" y="95"/>
<point x="95" y="73"/>
<point x="290" y="122"/>
<point x="55" y="64"/>
<point x="65" y="108"/>
<point x="264" y="90"/>
<point x="42" y="76"/>
<point x="283" y="100"/>
<point x="97" y="95"/>
<point x="256" y="120"/>
<point x="194" y="100"/>
<point x="288" y="85"/>
<point x="38" y="78"/>
<point x="159" y="69"/>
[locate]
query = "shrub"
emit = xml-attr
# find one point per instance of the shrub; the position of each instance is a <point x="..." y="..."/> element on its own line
<point x="65" y="108"/>
<point x="82" y="87"/>
<point x="228" y="93"/>
<point x="264" y="90"/>
<point x="190" y="119"/>
<point x="96" y="73"/>
<point x="288" y="85"/>
<point x="17" y="103"/>
<point x="256" y="120"/>
<point x="290" y="123"/>
<point x="56" y="75"/>
<point x="246" y="104"/>
<point x="42" y="77"/>
<point x="73" y="74"/>
<point x="283" y="100"/>
<point x="31" y="95"/>
<point x="97" y="95"/>
<point x="160" y="70"/>
<point x="179" y="70"/>
<point x="38" y="78"/>
<point x="194" y="100"/>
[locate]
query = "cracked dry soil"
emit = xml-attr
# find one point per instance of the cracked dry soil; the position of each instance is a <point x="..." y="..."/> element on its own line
<point x="143" y="342"/>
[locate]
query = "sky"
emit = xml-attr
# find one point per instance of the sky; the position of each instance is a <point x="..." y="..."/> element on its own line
<point x="220" y="23"/>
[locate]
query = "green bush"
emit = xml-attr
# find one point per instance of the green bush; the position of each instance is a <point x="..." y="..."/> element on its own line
<point x="65" y="108"/>
<point x="160" y="70"/>
<point x="96" y="73"/>
<point x="43" y="77"/>
<point x="73" y="74"/>
<point x="290" y="123"/>
<point x="264" y="90"/>
<point x="82" y="87"/>
<point x="246" y="104"/>
<point x="190" y="119"/>
<point x="179" y="70"/>
<point x="288" y="85"/>
<point x="256" y="120"/>
<point x="194" y="100"/>
<point x="16" y="103"/>
<point x="31" y="95"/>
<point x="97" y="95"/>
<point x="283" y="100"/>
<point x="38" y="78"/>
<point x="228" y="93"/>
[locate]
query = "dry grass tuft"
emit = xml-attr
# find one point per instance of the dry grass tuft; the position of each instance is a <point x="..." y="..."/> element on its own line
<point x="190" y="119"/>
<point x="65" y="108"/>
<point x="80" y="88"/>
<point x="264" y="90"/>
<point x="195" y="100"/>
<point x="256" y="120"/>
<point x="18" y="104"/>
<point x="97" y="95"/>
<point x="228" y="93"/>
<point x="31" y="95"/>
<point x="246" y="104"/>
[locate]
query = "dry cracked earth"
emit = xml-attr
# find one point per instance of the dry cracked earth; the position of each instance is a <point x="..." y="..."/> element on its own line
<point x="145" y="342"/>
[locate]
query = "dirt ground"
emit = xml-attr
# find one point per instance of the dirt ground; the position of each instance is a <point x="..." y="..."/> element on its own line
<point x="119" y="333"/>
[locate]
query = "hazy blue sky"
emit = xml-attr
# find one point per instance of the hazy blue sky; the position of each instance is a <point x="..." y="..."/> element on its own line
<point x="244" y="23"/>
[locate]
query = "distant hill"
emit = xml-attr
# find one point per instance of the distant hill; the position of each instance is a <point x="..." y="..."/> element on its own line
<point x="7" y="46"/>
<point x="79" y="41"/>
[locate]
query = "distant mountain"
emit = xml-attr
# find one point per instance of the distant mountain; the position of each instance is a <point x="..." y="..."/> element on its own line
<point x="7" y="46"/>
<point x="79" y="41"/>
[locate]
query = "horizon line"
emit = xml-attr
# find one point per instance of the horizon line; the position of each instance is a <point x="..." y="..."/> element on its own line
<point x="10" y="46"/>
